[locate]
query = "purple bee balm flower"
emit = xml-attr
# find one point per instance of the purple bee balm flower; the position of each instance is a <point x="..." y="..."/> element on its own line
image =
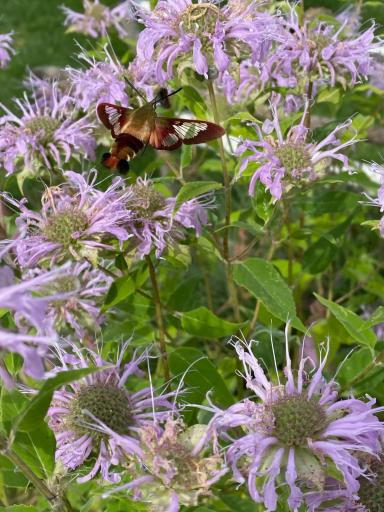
<point x="204" y="35"/>
<point x="48" y="85"/>
<point x="98" y="415"/>
<point x="286" y="160"/>
<point x="79" y="309"/>
<point x="319" y="53"/>
<point x="97" y="19"/>
<point x="103" y="81"/>
<point x="379" y="201"/>
<point x="44" y="134"/>
<point x="154" y="222"/>
<point x="18" y="298"/>
<point x="241" y="82"/>
<point x="6" y="49"/>
<point x="76" y="220"/>
<point x="176" y="476"/>
<point x="297" y="434"/>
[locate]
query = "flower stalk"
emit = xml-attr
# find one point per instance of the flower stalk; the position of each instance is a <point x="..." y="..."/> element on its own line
<point x="228" y="206"/>
<point x="159" y="318"/>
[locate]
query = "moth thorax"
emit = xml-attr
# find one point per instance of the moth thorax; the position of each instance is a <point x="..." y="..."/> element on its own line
<point x="107" y="403"/>
<point x="296" y="419"/>
<point x="371" y="492"/>
<point x="145" y="201"/>
<point x="63" y="226"/>
<point x="320" y="41"/>
<point x="43" y="128"/>
<point x="294" y="157"/>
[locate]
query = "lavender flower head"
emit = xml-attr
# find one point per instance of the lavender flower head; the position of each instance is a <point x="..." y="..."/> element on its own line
<point x="97" y="19"/>
<point x="155" y="223"/>
<point x="33" y="347"/>
<point x="297" y="434"/>
<point x="177" y="476"/>
<point x="203" y="35"/>
<point x="379" y="200"/>
<point x="79" y="309"/>
<point x="286" y="160"/>
<point x="6" y="49"/>
<point x="99" y="415"/>
<point x="318" y="53"/>
<point x="103" y="81"/>
<point x="75" y="222"/>
<point x="44" y="134"/>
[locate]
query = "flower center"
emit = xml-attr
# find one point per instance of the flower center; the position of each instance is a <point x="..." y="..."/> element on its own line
<point x="371" y="492"/>
<point x="321" y="41"/>
<point x="106" y="402"/>
<point x="145" y="201"/>
<point x="294" y="157"/>
<point x="96" y="11"/>
<point x="43" y="128"/>
<point x="202" y="17"/>
<point x="297" y="419"/>
<point x="61" y="226"/>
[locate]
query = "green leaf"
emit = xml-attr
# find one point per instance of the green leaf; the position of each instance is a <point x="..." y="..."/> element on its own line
<point x="12" y="477"/>
<point x="11" y="404"/>
<point x="376" y="318"/>
<point x="194" y="189"/>
<point x="264" y="282"/>
<point x="19" y="508"/>
<point x="202" y="322"/>
<point x="243" y="116"/>
<point x="37" y="449"/>
<point x="35" y="411"/>
<point x="358" y="328"/>
<point x="319" y="255"/>
<point x="120" y="289"/>
<point x="329" y="95"/>
<point x="186" y="156"/>
<point x="200" y="376"/>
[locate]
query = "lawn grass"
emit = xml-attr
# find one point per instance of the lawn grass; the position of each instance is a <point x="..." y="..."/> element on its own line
<point x="40" y="39"/>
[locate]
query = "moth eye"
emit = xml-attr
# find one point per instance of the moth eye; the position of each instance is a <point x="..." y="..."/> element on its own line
<point x="123" y="166"/>
<point x="105" y="156"/>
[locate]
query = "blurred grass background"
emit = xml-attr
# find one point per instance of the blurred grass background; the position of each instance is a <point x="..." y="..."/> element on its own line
<point x="40" y="39"/>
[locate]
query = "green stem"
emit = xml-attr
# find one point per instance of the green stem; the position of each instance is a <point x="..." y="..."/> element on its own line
<point x="159" y="318"/>
<point x="307" y="120"/>
<point x="54" y="500"/>
<point x="228" y="206"/>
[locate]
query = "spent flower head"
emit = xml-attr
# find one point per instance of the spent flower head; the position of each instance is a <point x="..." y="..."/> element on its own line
<point x="76" y="221"/>
<point x="44" y="134"/>
<point x="98" y="415"/>
<point x="285" y="160"/>
<point x="97" y="19"/>
<point x="296" y="433"/>
<point x="32" y="341"/>
<point x="6" y="49"/>
<point x="204" y="36"/>
<point x="176" y="476"/>
<point x="155" y="222"/>
<point x="79" y="309"/>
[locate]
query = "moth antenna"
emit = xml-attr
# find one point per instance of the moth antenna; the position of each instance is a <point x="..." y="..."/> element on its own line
<point x="136" y="90"/>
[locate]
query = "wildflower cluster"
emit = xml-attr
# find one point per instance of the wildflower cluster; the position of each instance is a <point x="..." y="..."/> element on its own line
<point x="213" y="233"/>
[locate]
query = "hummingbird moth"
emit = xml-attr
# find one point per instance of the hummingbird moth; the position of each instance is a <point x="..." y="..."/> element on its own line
<point x="132" y="129"/>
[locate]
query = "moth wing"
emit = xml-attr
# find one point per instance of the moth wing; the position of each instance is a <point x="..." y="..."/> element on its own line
<point x="113" y="117"/>
<point x="170" y="133"/>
